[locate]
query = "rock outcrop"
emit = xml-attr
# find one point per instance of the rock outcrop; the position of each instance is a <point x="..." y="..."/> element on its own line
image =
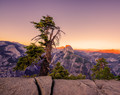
<point x="74" y="63"/>
<point x="86" y="87"/>
<point x="9" y="54"/>
<point x="18" y="86"/>
<point x="46" y="86"/>
<point x="75" y="87"/>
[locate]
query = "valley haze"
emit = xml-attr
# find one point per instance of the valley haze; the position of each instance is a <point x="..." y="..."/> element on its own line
<point x="75" y="61"/>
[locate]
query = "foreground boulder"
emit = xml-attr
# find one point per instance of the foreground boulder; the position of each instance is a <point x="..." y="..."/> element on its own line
<point x="46" y="86"/>
<point x="18" y="86"/>
<point x="86" y="87"/>
<point x="75" y="87"/>
<point x="108" y="87"/>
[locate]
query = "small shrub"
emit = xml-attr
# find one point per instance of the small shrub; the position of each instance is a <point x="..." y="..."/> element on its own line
<point x="80" y="76"/>
<point x="59" y="72"/>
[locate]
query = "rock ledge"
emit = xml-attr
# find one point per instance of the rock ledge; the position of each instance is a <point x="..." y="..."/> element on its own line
<point x="46" y="86"/>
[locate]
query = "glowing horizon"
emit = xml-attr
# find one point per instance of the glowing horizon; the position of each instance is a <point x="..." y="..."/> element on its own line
<point x="88" y="24"/>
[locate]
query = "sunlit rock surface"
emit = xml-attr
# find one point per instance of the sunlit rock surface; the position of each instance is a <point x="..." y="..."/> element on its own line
<point x="46" y="86"/>
<point x="18" y="86"/>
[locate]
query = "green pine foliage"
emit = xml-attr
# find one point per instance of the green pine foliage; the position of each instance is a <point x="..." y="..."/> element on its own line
<point x="59" y="72"/>
<point x="30" y="76"/>
<point x="22" y="63"/>
<point x="46" y="23"/>
<point x="101" y="70"/>
<point x="79" y="76"/>
<point x="33" y="55"/>
<point x="117" y="77"/>
<point x="34" y="51"/>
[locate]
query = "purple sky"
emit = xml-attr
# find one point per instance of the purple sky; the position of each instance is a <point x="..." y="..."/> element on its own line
<point x="87" y="23"/>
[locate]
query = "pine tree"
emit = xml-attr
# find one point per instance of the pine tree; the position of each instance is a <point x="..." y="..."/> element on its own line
<point x="101" y="70"/>
<point x="59" y="72"/>
<point x="49" y="36"/>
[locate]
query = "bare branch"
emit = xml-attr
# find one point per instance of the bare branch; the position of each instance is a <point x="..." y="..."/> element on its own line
<point x="57" y="40"/>
<point x="36" y="40"/>
<point x="62" y="31"/>
<point x="35" y="37"/>
<point x="53" y="43"/>
<point x="55" y="35"/>
<point x="58" y="28"/>
<point x="51" y="34"/>
<point x="33" y="22"/>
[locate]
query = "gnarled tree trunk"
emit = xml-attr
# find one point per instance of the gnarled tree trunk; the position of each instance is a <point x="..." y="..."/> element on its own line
<point x="48" y="51"/>
<point x="44" y="68"/>
<point x="45" y="64"/>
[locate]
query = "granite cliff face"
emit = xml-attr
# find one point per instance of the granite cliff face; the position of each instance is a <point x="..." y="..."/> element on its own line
<point x="47" y="86"/>
<point x="75" y="61"/>
<point x="9" y="54"/>
<point x="78" y="61"/>
<point x="75" y="64"/>
<point x="111" y="58"/>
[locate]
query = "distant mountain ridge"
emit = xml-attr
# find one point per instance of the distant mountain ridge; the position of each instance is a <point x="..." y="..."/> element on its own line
<point x="9" y="54"/>
<point x="75" y="61"/>
<point x="81" y="61"/>
<point x="115" y="51"/>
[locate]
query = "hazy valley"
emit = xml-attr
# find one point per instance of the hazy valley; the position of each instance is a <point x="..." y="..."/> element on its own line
<point x="75" y="61"/>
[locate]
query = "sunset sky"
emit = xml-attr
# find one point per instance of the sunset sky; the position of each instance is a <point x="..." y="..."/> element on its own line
<point x="87" y="23"/>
